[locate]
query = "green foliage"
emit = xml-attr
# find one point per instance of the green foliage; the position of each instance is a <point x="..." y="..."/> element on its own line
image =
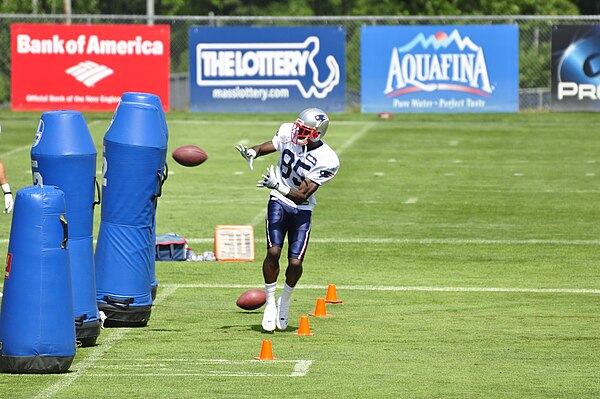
<point x="307" y="7"/>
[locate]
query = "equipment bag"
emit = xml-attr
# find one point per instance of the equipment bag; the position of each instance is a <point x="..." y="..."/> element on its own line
<point x="170" y="247"/>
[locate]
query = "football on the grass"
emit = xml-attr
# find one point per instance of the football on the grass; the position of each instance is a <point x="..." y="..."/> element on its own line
<point x="189" y="155"/>
<point x="252" y="299"/>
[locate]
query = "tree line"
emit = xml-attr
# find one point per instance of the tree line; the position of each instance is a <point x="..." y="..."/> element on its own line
<point x="308" y="7"/>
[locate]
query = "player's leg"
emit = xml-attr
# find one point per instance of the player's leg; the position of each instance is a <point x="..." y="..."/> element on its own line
<point x="271" y="265"/>
<point x="270" y="273"/>
<point x="276" y="230"/>
<point x="299" y="234"/>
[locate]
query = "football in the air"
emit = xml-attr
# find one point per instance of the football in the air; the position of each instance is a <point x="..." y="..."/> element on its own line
<point x="189" y="155"/>
<point x="252" y="299"/>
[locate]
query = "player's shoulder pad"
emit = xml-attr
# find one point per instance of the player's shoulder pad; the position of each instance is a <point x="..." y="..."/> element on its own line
<point x="332" y="157"/>
<point x="285" y="130"/>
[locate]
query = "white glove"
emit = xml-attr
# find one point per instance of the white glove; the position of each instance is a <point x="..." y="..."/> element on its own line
<point x="273" y="181"/>
<point x="248" y="153"/>
<point x="8" y="198"/>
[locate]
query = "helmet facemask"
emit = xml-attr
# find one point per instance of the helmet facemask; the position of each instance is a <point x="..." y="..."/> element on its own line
<point x="312" y="124"/>
<point x="302" y="133"/>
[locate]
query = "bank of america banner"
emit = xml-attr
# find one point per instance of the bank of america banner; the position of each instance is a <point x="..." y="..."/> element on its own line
<point x="575" y="68"/>
<point x="87" y="67"/>
<point x="266" y="69"/>
<point x="440" y="68"/>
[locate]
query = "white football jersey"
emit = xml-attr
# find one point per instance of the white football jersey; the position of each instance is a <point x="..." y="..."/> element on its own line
<point x="320" y="165"/>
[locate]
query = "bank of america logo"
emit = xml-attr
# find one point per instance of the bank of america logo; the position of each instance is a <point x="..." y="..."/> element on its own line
<point x="89" y="73"/>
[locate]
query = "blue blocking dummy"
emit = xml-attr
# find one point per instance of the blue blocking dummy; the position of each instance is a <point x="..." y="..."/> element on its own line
<point x="37" y="333"/>
<point x="151" y="99"/>
<point x="63" y="155"/>
<point x="134" y="152"/>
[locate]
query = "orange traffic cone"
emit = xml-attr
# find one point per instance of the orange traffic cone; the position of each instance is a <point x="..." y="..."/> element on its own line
<point x="304" y="328"/>
<point x="320" y="309"/>
<point x="331" y="296"/>
<point x="266" y="351"/>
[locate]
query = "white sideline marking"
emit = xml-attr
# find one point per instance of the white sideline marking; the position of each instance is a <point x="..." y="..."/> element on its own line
<point x="301" y="368"/>
<point x="353" y="139"/>
<point x="16" y="151"/>
<point x="424" y="241"/>
<point x="418" y="241"/>
<point x="256" y="219"/>
<point x="113" y="336"/>
<point x="408" y="288"/>
<point x="411" y="200"/>
<point x="181" y="368"/>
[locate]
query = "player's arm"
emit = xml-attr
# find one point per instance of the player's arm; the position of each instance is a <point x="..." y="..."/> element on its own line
<point x="272" y="179"/>
<point x="304" y="191"/>
<point x="263" y="149"/>
<point x="256" y="151"/>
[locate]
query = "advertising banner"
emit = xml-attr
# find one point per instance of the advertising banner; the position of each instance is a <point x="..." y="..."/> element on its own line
<point x="575" y="68"/>
<point x="440" y="68"/>
<point x="87" y="67"/>
<point x="267" y="69"/>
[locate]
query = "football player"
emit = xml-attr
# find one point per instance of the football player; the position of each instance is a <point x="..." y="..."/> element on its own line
<point x="305" y="164"/>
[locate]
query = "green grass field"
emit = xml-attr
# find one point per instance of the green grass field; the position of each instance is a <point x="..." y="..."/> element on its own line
<point x="466" y="249"/>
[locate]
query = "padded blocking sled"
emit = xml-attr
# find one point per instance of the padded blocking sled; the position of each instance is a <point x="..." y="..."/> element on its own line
<point x="152" y="99"/>
<point x="37" y="333"/>
<point x="64" y="155"/>
<point x="134" y="151"/>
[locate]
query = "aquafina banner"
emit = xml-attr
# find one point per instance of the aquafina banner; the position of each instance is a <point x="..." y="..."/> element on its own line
<point x="440" y="68"/>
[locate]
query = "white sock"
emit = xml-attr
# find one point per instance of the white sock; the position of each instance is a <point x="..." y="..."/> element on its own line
<point x="287" y="293"/>
<point x="270" y="291"/>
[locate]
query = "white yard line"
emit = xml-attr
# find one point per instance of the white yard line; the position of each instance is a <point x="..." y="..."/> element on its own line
<point x="301" y="368"/>
<point x="15" y="151"/>
<point x="260" y="216"/>
<point x="192" y="374"/>
<point x="184" y="368"/>
<point x="417" y="241"/>
<point x="426" y="241"/>
<point x="406" y="288"/>
<point x="353" y="138"/>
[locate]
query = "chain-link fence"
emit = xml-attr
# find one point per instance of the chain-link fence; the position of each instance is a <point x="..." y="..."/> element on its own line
<point x="535" y="34"/>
